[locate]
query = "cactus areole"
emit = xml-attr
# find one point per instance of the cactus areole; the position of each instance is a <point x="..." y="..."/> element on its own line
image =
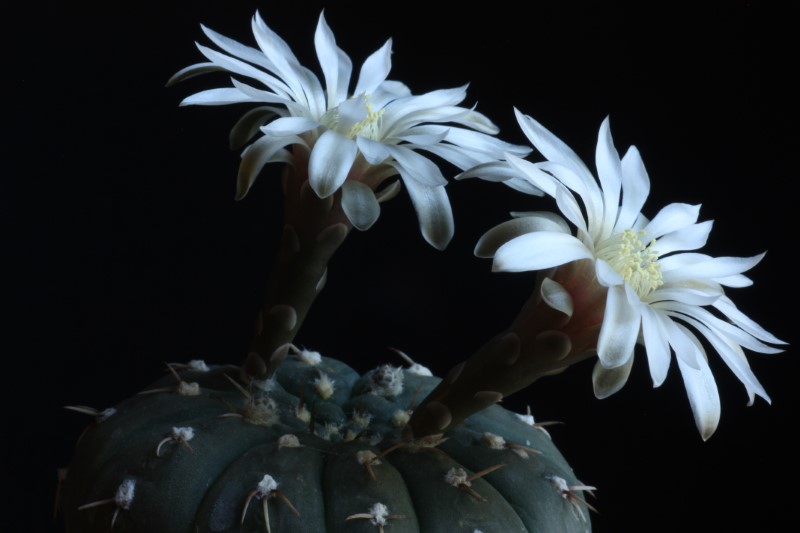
<point x="316" y="448"/>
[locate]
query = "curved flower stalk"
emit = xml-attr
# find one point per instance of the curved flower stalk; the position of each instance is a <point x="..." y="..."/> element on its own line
<point x="624" y="279"/>
<point x="355" y="139"/>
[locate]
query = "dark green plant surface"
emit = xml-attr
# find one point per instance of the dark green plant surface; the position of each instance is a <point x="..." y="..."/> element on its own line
<point x="325" y="480"/>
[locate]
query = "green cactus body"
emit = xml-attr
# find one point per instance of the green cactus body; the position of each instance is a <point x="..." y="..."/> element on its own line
<point x="338" y="457"/>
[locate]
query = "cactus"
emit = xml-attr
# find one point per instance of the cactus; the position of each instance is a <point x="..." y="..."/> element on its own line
<point x="316" y="448"/>
<point x="291" y="441"/>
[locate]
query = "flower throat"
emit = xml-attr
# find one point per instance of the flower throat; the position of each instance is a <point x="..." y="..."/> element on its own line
<point x="636" y="262"/>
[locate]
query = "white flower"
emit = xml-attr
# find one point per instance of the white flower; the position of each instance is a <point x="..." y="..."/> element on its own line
<point x="653" y="292"/>
<point x="356" y="139"/>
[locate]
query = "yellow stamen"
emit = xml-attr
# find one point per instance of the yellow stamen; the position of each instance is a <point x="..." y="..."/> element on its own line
<point x="368" y="122"/>
<point x="636" y="262"/>
<point x="367" y="127"/>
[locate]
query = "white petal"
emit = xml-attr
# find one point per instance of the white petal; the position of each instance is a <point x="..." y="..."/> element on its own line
<point x="336" y="65"/>
<point x="480" y="122"/>
<point x="359" y="204"/>
<point x="607" y="381"/>
<point x="191" y="71"/>
<point x="432" y="99"/>
<point x="278" y="53"/>
<point x="327" y="51"/>
<point x="736" y="360"/>
<point x="375" y="69"/>
<point x="736" y="281"/>
<point x="389" y="191"/>
<point x="550" y="146"/>
<point x="305" y="87"/>
<point x="672" y="218"/>
<point x="635" y="188"/>
<point x="568" y="205"/>
<point x="224" y="96"/>
<point x="260" y="95"/>
<point x="676" y="261"/>
<point x="609" y="171"/>
<point x="388" y="91"/>
<point x="537" y="251"/>
<point x="715" y="267"/>
<point x="656" y="345"/>
<point x="700" y="288"/>
<point x="540" y="179"/>
<point x="420" y="137"/>
<point x="470" y="140"/>
<point x="237" y="49"/>
<point x="523" y="186"/>
<point x="254" y="157"/>
<point x="460" y="158"/>
<point x="289" y="126"/>
<point x="236" y="66"/>
<point x="502" y="233"/>
<point x="703" y="294"/>
<point x="726" y="306"/>
<point x="620" y="329"/>
<point x="340" y="93"/>
<point x="417" y="167"/>
<point x="586" y="189"/>
<point x="330" y="161"/>
<point x="556" y="296"/>
<point x="314" y="91"/>
<point x="724" y="328"/>
<point x="249" y="125"/>
<point x="640" y="222"/>
<point x="433" y="211"/>
<point x="689" y="238"/>
<point x="409" y="111"/>
<point x="403" y="116"/>
<point x="351" y="112"/>
<point x="607" y="276"/>
<point x="495" y="171"/>
<point x="683" y="346"/>
<point x="701" y="388"/>
<point x="373" y="151"/>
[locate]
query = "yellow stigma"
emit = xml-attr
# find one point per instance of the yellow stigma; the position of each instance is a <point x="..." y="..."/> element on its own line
<point x="636" y="262"/>
<point x="367" y="123"/>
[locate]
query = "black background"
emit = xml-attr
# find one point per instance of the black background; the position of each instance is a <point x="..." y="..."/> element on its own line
<point x="127" y="249"/>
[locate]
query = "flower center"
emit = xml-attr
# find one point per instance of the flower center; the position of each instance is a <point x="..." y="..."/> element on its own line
<point x="368" y="126"/>
<point x="354" y="117"/>
<point x="636" y="262"/>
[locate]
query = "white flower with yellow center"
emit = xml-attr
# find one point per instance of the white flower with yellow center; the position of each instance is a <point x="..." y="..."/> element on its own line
<point x="356" y="139"/>
<point x="652" y="294"/>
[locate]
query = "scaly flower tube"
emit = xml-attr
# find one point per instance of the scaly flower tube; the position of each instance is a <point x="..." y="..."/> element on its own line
<point x="356" y="140"/>
<point x="624" y="279"/>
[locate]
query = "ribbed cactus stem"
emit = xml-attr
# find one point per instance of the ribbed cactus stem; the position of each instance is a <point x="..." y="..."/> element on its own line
<point x="314" y="228"/>
<point x="256" y="465"/>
